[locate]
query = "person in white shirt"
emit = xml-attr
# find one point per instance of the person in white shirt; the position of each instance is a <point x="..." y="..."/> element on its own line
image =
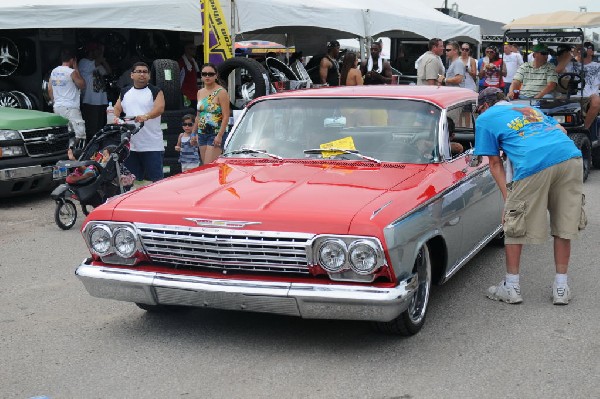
<point x="513" y="61"/>
<point x="64" y="91"/>
<point x="146" y="103"/>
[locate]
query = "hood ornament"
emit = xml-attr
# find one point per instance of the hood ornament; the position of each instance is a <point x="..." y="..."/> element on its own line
<point x="232" y="224"/>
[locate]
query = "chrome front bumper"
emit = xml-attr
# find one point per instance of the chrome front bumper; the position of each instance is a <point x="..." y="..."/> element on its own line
<point x="24" y="172"/>
<point x="310" y="301"/>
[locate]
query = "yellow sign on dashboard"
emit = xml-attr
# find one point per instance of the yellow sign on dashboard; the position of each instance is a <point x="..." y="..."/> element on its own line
<point x="347" y="143"/>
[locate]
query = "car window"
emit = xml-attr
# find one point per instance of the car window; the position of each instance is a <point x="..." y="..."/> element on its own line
<point x="389" y="130"/>
<point x="461" y="134"/>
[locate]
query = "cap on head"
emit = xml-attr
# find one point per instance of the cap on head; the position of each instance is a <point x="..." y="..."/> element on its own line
<point x="333" y="43"/>
<point x="540" y="48"/>
<point x="588" y="45"/>
<point x="562" y="48"/>
<point x="488" y="95"/>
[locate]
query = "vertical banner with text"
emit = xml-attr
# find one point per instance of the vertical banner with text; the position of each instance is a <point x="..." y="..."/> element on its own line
<point x="217" y="43"/>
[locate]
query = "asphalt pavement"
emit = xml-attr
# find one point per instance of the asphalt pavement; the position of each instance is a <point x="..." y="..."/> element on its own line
<point x="59" y="342"/>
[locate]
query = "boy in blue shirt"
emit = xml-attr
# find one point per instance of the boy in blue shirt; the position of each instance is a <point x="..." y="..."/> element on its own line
<point x="547" y="176"/>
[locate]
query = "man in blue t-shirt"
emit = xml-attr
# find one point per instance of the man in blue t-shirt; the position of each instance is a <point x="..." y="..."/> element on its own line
<point x="547" y="175"/>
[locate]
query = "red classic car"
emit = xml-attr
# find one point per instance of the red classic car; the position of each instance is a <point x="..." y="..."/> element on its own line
<point x="338" y="203"/>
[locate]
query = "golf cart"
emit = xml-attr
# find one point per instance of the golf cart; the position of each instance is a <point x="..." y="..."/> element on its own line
<point x="568" y="106"/>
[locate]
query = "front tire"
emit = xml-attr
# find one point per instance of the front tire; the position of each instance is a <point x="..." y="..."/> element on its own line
<point x="412" y="319"/>
<point x="65" y="214"/>
<point x="583" y="143"/>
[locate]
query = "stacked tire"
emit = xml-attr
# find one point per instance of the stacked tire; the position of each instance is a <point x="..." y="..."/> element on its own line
<point x="165" y="75"/>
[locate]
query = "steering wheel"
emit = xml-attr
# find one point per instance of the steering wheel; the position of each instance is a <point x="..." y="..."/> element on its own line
<point x="571" y="84"/>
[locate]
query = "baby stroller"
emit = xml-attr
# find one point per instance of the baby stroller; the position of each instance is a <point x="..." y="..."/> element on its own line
<point x="94" y="190"/>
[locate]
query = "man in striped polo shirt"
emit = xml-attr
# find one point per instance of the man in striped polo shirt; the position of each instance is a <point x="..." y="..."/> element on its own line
<point x="535" y="79"/>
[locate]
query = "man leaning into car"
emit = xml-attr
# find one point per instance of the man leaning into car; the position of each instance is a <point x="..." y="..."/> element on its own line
<point x="547" y="177"/>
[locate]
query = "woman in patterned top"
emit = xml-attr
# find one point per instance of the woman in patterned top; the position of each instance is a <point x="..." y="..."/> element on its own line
<point x="213" y="115"/>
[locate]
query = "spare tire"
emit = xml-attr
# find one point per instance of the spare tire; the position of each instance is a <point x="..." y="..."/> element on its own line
<point x="165" y="75"/>
<point x="257" y="82"/>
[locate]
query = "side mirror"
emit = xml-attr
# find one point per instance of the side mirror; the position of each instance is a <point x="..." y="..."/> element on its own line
<point x="472" y="160"/>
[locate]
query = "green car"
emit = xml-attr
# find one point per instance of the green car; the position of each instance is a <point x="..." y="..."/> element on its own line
<point x="31" y="142"/>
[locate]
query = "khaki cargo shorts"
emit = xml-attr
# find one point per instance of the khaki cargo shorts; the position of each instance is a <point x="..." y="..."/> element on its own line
<point x="557" y="190"/>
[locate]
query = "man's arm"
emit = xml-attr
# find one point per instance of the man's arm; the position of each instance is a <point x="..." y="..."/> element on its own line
<point x="118" y="110"/>
<point x="547" y="90"/>
<point x="515" y="85"/>
<point x="386" y="77"/>
<point x="498" y="173"/>
<point x="50" y="90"/>
<point x="157" y="109"/>
<point x="323" y="69"/>
<point x="76" y="76"/>
<point x="78" y="80"/>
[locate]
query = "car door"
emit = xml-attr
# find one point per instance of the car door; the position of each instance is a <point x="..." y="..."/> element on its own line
<point x="480" y="194"/>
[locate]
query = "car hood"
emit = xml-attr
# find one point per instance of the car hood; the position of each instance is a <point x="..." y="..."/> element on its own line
<point x="23" y="119"/>
<point x="286" y="196"/>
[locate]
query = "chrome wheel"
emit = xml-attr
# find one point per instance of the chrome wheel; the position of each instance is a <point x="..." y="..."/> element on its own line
<point x="9" y="57"/>
<point x="418" y="306"/>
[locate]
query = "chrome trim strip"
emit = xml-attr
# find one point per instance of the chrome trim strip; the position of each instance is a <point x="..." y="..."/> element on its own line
<point x="438" y="196"/>
<point x="316" y="301"/>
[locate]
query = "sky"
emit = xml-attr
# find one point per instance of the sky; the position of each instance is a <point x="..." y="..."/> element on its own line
<point x="507" y="10"/>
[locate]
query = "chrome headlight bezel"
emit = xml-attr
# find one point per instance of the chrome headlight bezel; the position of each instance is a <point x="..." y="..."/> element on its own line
<point x="112" y="254"/>
<point x="347" y="271"/>
<point x="6" y="134"/>
<point x="100" y="228"/>
<point x="132" y="236"/>
<point x="354" y="246"/>
<point x="331" y="244"/>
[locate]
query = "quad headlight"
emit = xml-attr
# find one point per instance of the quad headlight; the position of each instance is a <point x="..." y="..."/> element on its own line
<point x="348" y="257"/>
<point x="363" y="256"/>
<point x="332" y="255"/>
<point x="114" y="242"/>
<point x="99" y="239"/>
<point x="124" y="239"/>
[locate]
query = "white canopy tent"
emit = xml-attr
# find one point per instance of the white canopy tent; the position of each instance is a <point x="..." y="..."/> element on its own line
<point x="174" y="15"/>
<point x="557" y="20"/>
<point x="309" y="27"/>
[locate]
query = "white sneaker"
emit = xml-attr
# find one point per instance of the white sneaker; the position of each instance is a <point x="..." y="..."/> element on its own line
<point x="561" y="295"/>
<point x="505" y="293"/>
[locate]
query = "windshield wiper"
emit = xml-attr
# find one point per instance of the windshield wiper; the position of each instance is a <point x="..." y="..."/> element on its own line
<point x="343" y="150"/>
<point x="252" y="151"/>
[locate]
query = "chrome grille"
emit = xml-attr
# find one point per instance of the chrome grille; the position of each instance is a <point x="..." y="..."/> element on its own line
<point x="46" y="141"/>
<point x="226" y="249"/>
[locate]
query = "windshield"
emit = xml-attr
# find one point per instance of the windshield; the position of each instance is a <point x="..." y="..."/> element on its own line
<point x="352" y="128"/>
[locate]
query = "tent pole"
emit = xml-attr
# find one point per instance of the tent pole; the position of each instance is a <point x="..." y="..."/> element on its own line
<point x="205" y="30"/>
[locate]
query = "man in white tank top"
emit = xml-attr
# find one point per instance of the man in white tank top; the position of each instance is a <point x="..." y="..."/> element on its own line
<point x="64" y="90"/>
<point x="146" y="103"/>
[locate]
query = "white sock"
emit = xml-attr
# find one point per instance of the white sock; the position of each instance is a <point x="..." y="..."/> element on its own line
<point x="560" y="279"/>
<point x="511" y="279"/>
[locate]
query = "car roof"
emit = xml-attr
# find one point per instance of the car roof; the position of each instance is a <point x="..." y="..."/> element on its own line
<point x="440" y="96"/>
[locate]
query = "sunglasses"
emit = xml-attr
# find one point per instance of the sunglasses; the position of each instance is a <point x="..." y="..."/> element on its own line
<point x="489" y="51"/>
<point x="190" y="124"/>
<point x="448" y="49"/>
<point x="209" y="74"/>
<point x="465" y="49"/>
<point x="141" y="72"/>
